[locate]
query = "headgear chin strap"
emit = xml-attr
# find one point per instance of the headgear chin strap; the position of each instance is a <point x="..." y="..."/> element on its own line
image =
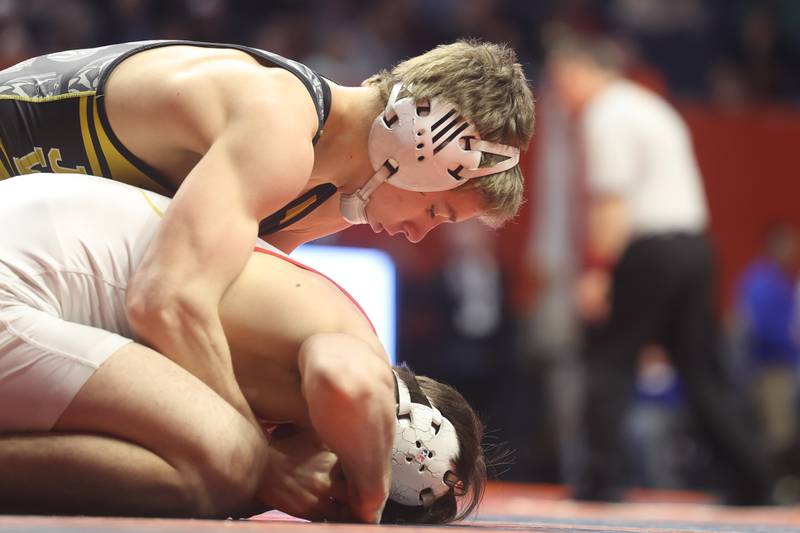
<point x="423" y="146"/>
<point x="424" y="452"/>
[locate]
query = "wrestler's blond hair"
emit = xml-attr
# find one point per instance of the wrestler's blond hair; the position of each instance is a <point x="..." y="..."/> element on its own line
<point x="487" y="85"/>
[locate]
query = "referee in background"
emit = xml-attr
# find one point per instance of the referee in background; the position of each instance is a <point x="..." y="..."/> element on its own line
<point x="648" y="273"/>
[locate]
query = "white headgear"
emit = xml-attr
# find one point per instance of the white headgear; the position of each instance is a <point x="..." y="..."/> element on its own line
<point x="423" y="146"/>
<point x="424" y="452"/>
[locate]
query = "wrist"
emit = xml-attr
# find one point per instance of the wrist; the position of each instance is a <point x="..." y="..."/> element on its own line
<point x="597" y="262"/>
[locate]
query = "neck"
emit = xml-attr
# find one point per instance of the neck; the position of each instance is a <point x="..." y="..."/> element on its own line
<point x="341" y="156"/>
<point x="594" y="85"/>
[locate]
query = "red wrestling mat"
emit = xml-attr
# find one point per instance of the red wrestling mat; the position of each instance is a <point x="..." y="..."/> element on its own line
<point x="507" y="507"/>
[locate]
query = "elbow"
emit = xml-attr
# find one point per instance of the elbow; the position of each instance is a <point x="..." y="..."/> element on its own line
<point x="147" y="304"/>
<point x="154" y="311"/>
<point x="350" y="385"/>
<point x="346" y="376"/>
<point x="374" y="387"/>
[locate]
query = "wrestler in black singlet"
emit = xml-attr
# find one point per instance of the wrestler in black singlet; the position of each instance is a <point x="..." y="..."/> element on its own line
<point x="53" y="119"/>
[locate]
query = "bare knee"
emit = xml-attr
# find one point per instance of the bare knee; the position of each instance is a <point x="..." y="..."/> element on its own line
<point x="215" y="456"/>
<point x="221" y="477"/>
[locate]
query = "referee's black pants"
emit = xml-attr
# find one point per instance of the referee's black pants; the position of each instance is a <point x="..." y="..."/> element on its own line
<point x="661" y="292"/>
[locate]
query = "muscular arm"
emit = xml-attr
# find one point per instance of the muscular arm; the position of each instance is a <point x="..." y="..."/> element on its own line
<point x="208" y="232"/>
<point x="349" y="390"/>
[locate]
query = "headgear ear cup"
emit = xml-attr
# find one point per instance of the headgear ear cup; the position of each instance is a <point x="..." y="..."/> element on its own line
<point x="425" y="147"/>
<point x="424" y="452"/>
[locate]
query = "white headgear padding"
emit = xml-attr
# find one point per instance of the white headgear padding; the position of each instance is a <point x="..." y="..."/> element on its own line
<point x="424" y="452"/>
<point x="423" y="146"/>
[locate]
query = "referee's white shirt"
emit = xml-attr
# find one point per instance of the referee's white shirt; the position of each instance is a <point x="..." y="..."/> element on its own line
<point x="638" y="147"/>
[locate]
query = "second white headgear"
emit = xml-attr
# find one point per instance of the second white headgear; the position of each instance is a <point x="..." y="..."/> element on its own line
<point x="424" y="452"/>
<point x="423" y="146"/>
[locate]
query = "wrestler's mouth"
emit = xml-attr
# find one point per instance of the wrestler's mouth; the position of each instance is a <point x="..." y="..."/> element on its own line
<point x="377" y="227"/>
<point x="392" y="233"/>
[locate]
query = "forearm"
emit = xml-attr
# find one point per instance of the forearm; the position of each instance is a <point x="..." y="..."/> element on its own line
<point x="352" y="408"/>
<point x="359" y="429"/>
<point x="174" y="294"/>
<point x="607" y="231"/>
<point x="189" y="332"/>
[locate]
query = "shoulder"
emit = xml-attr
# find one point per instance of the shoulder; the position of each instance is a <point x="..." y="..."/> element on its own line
<point x="327" y="304"/>
<point x="212" y="88"/>
<point x="758" y="275"/>
<point x="258" y="89"/>
<point x="623" y="97"/>
<point x="607" y="116"/>
<point x="625" y="107"/>
<point x="270" y="114"/>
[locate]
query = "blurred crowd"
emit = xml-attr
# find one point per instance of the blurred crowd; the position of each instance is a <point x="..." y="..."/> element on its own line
<point x="493" y="314"/>
<point x="727" y="50"/>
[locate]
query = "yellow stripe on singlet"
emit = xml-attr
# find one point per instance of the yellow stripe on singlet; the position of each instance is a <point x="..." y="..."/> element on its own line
<point x="3" y="171"/>
<point x="293" y="212"/>
<point x="121" y="168"/>
<point x="94" y="163"/>
<point x="152" y="204"/>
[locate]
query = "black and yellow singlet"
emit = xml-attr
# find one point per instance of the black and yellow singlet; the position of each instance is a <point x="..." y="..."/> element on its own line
<point x="53" y="119"/>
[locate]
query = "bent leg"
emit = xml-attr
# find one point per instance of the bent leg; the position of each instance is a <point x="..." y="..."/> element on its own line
<point x="144" y="398"/>
<point x="142" y="436"/>
<point x="45" y="473"/>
